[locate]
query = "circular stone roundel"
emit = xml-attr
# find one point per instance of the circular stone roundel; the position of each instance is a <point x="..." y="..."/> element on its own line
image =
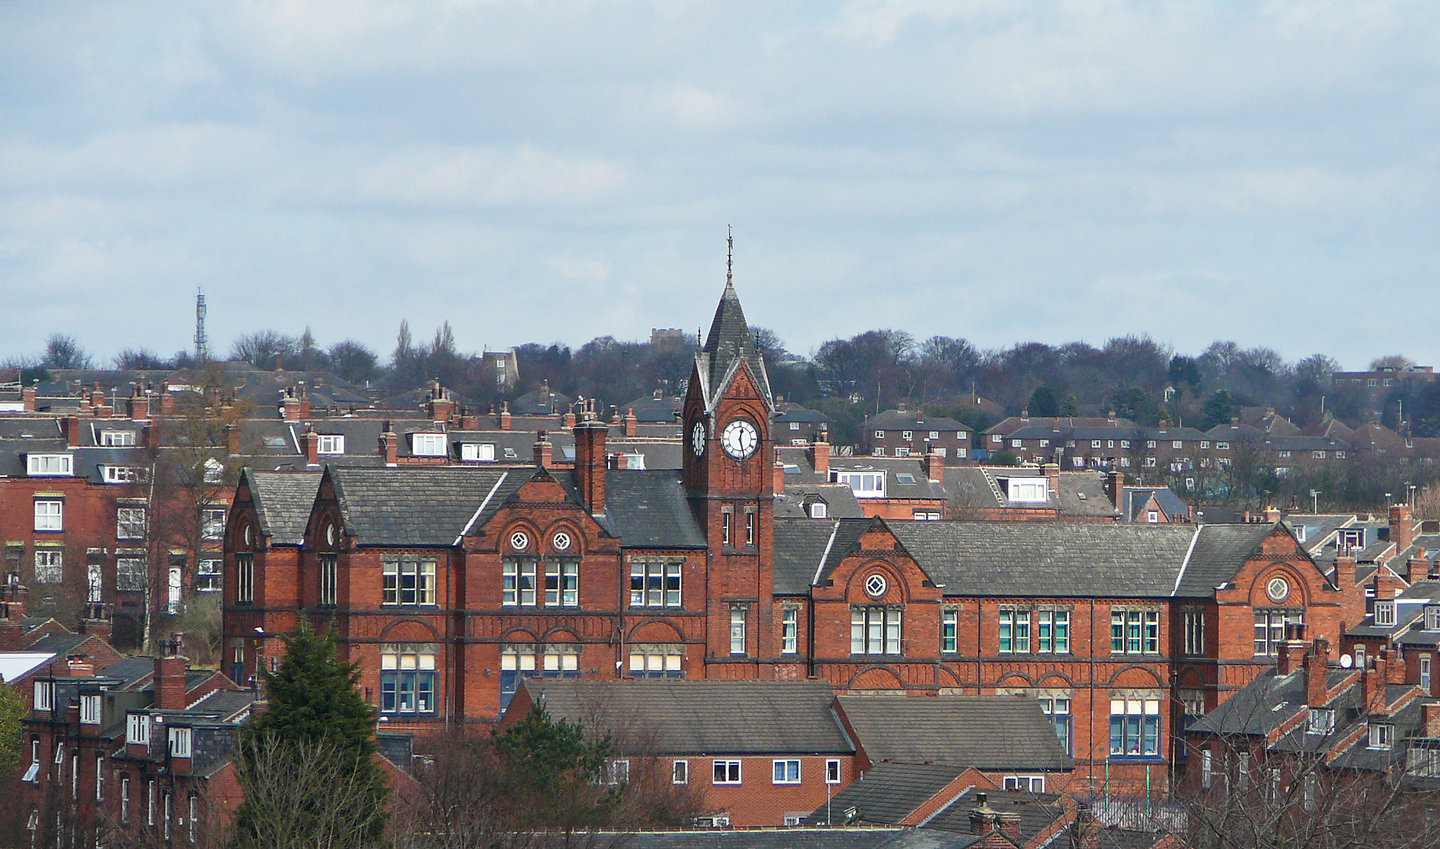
<point x="561" y="541"/>
<point x="1277" y="588"/>
<point x="330" y="534"/>
<point x="875" y="585"/>
<point x="519" y="541"/>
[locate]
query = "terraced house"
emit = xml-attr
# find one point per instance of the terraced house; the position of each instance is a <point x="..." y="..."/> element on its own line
<point x="452" y="585"/>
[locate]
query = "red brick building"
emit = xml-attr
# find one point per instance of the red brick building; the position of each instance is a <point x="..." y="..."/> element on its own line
<point x="451" y="585"/>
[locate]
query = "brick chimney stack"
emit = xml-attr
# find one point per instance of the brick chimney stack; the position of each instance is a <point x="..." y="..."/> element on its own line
<point x="1115" y="488"/>
<point x="1317" y="671"/>
<point x="27" y="398"/>
<point x="72" y="431"/>
<point x="389" y="445"/>
<point x="138" y="405"/>
<point x="1292" y="651"/>
<point x="290" y="407"/>
<point x="630" y="422"/>
<point x="778" y="473"/>
<point x="1372" y="683"/>
<point x="1272" y="514"/>
<point x="934" y="468"/>
<point x="545" y="450"/>
<point x="505" y="416"/>
<point x="312" y="447"/>
<point x="1430" y="719"/>
<point x="983" y="818"/>
<point x="820" y="454"/>
<point x="442" y="404"/>
<point x="1402" y="526"/>
<point x="169" y="681"/>
<point x="1052" y="477"/>
<point x="590" y="462"/>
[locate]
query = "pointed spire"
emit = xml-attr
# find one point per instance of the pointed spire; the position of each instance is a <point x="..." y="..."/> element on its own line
<point x="730" y="337"/>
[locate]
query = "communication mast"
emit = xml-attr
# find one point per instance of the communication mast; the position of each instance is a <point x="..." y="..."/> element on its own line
<point x="202" y="351"/>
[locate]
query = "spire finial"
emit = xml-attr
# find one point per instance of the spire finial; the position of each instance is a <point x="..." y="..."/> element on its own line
<point x="729" y="256"/>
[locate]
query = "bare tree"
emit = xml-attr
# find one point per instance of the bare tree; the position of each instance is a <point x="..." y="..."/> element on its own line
<point x="302" y="795"/>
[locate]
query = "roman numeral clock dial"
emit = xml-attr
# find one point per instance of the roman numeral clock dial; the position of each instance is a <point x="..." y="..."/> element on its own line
<point x="740" y="438"/>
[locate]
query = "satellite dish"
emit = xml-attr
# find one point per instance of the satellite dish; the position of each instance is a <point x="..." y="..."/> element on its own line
<point x="1346" y="661"/>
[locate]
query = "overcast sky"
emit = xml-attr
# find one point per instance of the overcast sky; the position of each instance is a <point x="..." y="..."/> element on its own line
<point x="1000" y="171"/>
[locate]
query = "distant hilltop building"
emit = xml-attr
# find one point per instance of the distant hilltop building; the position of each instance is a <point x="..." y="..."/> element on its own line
<point x="666" y="335"/>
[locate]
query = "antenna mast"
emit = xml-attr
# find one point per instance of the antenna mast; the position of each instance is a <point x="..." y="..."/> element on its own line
<point x="729" y="256"/>
<point x="202" y="352"/>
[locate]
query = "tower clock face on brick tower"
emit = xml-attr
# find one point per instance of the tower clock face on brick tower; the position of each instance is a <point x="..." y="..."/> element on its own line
<point x="739" y="439"/>
<point x="697" y="439"/>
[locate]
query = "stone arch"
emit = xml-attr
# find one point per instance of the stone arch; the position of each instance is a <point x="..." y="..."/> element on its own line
<point x="409" y="631"/>
<point x="1136" y="676"/>
<point x="896" y="590"/>
<point x="521" y="524"/>
<point x="876" y="678"/>
<point x="518" y="634"/>
<point x="655" y="631"/>
<point x="1298" y="596"/>
<point x="568" y="527"/>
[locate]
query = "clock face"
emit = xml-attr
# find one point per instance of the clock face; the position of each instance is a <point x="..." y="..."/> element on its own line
<point x="697" y="439"/>
<point x="739" y="439"/>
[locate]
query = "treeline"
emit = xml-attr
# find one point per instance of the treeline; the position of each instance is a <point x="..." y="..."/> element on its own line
<point x="1132" y="376"/>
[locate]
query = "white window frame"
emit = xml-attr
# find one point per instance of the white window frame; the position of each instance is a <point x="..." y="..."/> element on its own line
<point x="122" y="474"/>
<point x="1320" y="721"/>
<point x="680" y="772"/>
<point x="49" y="514"/>
<point x="90" y="709"/>
<point x="428" y="444"/>
<point x="1381" y="736"/>
<point x="44" y="695"/>
<point x="1384" y="614"/>
<point x="789" y="630"/>
<point x="50" y="465"/>
<point x="785" y="771"/>
<point x="137" y="728"/>
<point x="726" y="772"/>
<point x="117" y="438"/>
<point x="1028" y="490"/>
<point x="477" y="452"/>
<point x="49" y="565"/>
<point x="130" y="523"/>
<point x="330" y="444"/>
<point x="738" y="615"/>
<point x="180" y="742"/>
<point x="244" y="578"/>
<point x="833" y="771"/>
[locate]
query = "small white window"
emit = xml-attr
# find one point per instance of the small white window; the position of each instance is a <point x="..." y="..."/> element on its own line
<point x="1384" y="614"/>
<point x="49" y="515"/>
<point x="786" y="771"/>
<point x="180" y="742"/>
<point x="727" y="772"/>
<point x="1321" y="721"/>
<point x="618" y="772"/>
<point x="477" y="452"/>
<point x="1222" y="446"/>
<point x="1204" y="443"/>
<point x="879" y="434"/>
<point x="1382" y="736"/>
<point x="428" y="444"/>
<point x="122" y="474"/>
<point x="90" y="709"/>
<point x="1153" y="517"/>
<point x="907" y="435"/>
<point x="44" y="694"/>
<point x="50" y="465"/>
<point x="794" y="425"/>
<point x="819" y="510"/>
<point x="118" y="438"/>
<point x="832" y="771"/>
<point x="680" y="772"/>
<point x="331" y="444"/>
<point x="137" y="728"/>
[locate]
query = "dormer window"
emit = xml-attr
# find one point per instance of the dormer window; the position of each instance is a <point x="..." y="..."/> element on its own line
<point x="864" y="484"/>
<point x="1432" y="617"/>
<point x="1384" y="614"/>
<point x="330" y="444"/>
<point x="477" y="452"/>
<point x="1382" y="736"/>
<point x="180" y="742"/>
<point x="137" y="728"/>
<point x="122" y="474"/>
<point x="50" y="465"/>
<point x="1028" y="490"/>
<point x="819" y="510"/>
<point x="427" y="444"/>
<point x="1321" y="721"/>
<point x="90" y="709"/>
<point x="44" y="695"/>
<point x="117" y="438"/>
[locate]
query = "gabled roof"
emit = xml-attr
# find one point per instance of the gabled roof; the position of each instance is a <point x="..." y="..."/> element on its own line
<point x="912" y="420"/>
<point x="676" y="717"/>
<point x="422" y="505"/>
<point x="985" y="732"/>
<point x="648" y="509"/>
<point x="283" y="501"/>
<point x="886" y="794"/>
<point x="808" y="549"/>
<point x="1219" y="551"/>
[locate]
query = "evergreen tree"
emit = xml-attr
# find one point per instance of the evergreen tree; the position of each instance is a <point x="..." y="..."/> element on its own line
<point x="12" y="710"/>
<point x="312" y="706"/>
<point x="556" y="777"/>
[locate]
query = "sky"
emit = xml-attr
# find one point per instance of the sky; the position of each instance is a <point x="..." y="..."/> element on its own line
<point x="556" y="171"/>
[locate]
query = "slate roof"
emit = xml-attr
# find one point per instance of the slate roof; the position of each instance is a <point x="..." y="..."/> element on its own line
<point x="1011" y="424"/>
<point x="728" y="341"/>
<point x="986" y="732"/>
<point x="805" y="548"/>
<point x="886" y="793"/>
<point x="793" y="838"/>
<point x="1219" y="551"/>
<point x="420" y="505"/>
<point x="648" y="509"/>
<point x="911" y="420"/>
<point x="1137" y="497"/>
<point x="1077" y="559"/>
<point x="839" y="498"/>
<point x="680" y="716"/>
<point x="1038" y="811"/>
<point x="1256" y="708"/>
<point x="283" y="501"/>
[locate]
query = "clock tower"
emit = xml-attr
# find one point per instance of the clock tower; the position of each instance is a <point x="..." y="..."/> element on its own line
<point x="729" y="478"/>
